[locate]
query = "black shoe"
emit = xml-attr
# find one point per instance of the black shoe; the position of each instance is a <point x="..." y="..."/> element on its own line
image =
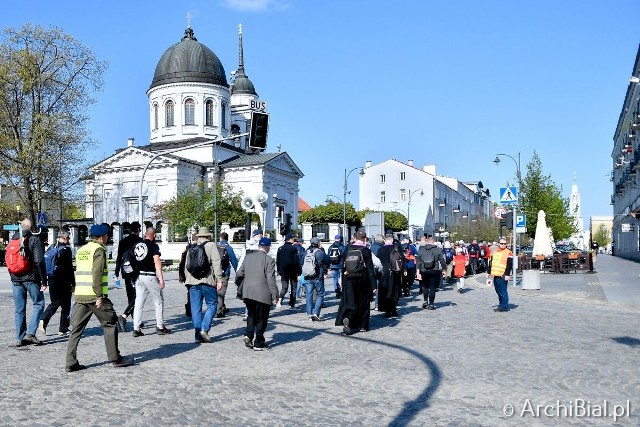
<point x="31" y="339"/>
<point x="163" y="330"/>
<point x="220" y="315"/>
<point x="141" y="325"/>
<point x="225" y="310"/>
<point x="460" y="291"/>
<point x="122" y="323"/>
<point x="431" y="307"/>
<point x="19" y="343"/>
<point x="137" y="333"/>
<point x="338" y="294"/>
<point x="122" y="362"/>
<point x="75" y="368"/>
<point x="425" y="305"/>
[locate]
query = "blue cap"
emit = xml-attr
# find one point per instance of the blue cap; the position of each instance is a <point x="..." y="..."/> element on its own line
<point x="338" y="237"/>
<point x="265" y="241"/>
<point x="99" y="230"/>
<point x="290" y="236"/>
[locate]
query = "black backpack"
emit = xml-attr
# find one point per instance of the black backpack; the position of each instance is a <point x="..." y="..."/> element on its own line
<point x="396" y="259"/>
<point x="130" y="269"/>
<point x="354" y="266"/>
<point x="334" y="254"/>
<point x="428" y="258"/>
<point x="197" y="262"/>
<point x="224" y="256"/>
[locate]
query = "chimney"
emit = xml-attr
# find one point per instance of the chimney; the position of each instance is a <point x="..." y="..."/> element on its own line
<point x="367" y="164"/>
<point x="410" y="163"/>
<point x="131" y="142"/>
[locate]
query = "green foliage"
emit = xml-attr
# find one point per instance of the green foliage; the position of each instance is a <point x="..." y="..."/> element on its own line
<point x="480" y="229"/>
<point x="602" y="236"/>
<point x="47" y="80"/>
<point x="539" y="192"/>
<point x="330" y="212"/>
<point x="195" y="205"/>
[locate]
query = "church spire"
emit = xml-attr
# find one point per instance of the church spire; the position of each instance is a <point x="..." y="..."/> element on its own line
<point x="240" y="52"/>
<point x="241" y="83"/>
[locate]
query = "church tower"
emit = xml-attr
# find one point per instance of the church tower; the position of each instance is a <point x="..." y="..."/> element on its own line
<point x="574" y="210"/>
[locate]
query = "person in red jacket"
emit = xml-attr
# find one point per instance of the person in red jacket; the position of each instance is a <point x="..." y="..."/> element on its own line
<point x="460" y="263"/>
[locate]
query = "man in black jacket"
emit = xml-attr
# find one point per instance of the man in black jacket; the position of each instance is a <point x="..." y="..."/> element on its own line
<point x="32" y="283"/>
<point x="61" y="285"/>
<point x="125" y="244"/>
<point x="289" y="269"/>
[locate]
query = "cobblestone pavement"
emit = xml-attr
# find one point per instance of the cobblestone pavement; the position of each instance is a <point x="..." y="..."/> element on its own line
<point x="458" y="365"/>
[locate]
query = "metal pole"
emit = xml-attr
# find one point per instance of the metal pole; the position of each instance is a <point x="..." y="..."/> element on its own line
<point x="344" y="208"/>
<point x="409" y="219"/>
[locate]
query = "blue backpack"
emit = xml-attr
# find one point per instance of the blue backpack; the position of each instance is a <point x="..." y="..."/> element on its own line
<point x="51" y="259"/>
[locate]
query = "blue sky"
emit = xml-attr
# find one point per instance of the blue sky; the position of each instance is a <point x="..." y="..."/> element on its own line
<point x="450" y="83"/>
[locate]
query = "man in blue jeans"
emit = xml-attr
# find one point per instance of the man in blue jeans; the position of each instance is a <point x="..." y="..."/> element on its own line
<point x="501" y="266"/>
<point x="312" y="281"/>
<point x="32" y="283"/>
<point x="204" y="288"/>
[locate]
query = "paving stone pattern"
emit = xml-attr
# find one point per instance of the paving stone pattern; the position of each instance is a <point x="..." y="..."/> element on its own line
<point x="456" y="366"/>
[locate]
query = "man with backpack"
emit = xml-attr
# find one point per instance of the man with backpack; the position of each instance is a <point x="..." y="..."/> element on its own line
<point x="430" y="270"/>
<point x="227" y="260"/>
<point x="390" y="283"/>
<point x="289" y="269"/>
<point x="409" y="275"/>
<point x="124" y="246"/>
<point x="24" y="257"/>
<point x="448" y="253"/>
<point x="62" y="282"/>
<point x="358" y="284"/>
<point x="474" y="256"/>
<point x="203" y="276"/>
<point x="336" y="259"/>
<point x="312" y="271"/>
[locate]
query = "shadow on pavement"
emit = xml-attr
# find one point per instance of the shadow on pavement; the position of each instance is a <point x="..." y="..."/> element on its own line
<point x="630" y="341"/>
<point x="164" y="351"/>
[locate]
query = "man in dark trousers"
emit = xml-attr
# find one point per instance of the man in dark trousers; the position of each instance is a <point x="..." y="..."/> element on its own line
<point x="61" y="285"/>
<point x="92" y="299"/>
<point x="357" y="292"/>
<point x="336" y="259"/>
<point x="431" y="263"/>
<point x="125" y="244"/>
<point x="289" y="269"/>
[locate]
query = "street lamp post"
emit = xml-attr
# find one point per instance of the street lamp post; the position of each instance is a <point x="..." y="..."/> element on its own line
<point x="409" y="229"/>
<point x="515" y="234"/>
<point x="344" y="199"/>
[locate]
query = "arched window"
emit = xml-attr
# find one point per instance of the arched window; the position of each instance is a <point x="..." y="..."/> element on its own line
<point x="209" y="113"/>
<point x="155" y="116"/>
<point x="223" y="122"/>
<point x="189" y="112"/>
<point x="168" y="114"/>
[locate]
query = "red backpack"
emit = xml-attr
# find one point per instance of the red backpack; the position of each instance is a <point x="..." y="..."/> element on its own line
<point x="16" y="257"/>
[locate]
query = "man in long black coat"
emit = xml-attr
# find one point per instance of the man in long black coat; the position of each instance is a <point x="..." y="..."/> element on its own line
<point x="391" y="281"/>
<point x="357" y="293"/>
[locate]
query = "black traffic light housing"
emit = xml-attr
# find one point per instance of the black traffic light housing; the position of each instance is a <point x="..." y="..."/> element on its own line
<point x="287" y="224"/>
<point x="258" y="130"/>
<point x="283" y="229"/>
<point x="508" y="219"/>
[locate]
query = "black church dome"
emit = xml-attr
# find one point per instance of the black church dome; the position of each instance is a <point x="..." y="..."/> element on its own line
<point x="189" y="61"/>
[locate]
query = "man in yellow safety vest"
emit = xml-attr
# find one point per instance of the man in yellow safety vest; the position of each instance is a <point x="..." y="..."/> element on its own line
<point x="91" y="298"/>
<point x="501" y="265"/>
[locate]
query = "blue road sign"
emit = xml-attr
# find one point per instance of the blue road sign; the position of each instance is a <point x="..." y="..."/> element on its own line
<point x="521" y="221"/>
<point x="41" y="219"/>
<point x="508" y="195"/>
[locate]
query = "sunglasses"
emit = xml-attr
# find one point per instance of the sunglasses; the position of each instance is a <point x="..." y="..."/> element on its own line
<point x="501" y="243"/>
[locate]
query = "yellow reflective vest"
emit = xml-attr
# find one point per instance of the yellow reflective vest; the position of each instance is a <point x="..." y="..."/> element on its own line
<point x="499" y="261"/>
<point x="84" y="270"/>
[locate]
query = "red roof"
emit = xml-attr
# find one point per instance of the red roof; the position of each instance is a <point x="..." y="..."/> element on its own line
<point x="302" y="205"/>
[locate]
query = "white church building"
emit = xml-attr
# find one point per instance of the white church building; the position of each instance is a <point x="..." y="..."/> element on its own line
<point x="191" y="103"/>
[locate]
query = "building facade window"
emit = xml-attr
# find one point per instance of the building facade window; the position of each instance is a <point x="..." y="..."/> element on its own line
<point x="383" y="179"/>
<point x="168" y="114"/>
<point x="155" y="116"/>
<point x="223" y="121"/>
<point x="403" y="195"/>
<point x="383" y="197"/>
<point x="189" y="112"/>
<point x="403" y="175"/>
<point x="208" y="113"/>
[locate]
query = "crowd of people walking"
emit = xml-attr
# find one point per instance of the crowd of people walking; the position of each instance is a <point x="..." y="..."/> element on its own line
<point x="362" y="272"/>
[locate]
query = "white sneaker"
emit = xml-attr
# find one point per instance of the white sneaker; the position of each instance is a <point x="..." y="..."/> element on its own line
<point x="278" y="305"/>
<point x="41" y="328"/>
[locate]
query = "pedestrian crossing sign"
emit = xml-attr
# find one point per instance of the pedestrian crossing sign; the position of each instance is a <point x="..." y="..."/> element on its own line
<point x="508" y="195"/>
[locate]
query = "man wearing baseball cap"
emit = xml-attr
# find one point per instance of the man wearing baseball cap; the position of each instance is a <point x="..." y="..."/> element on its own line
<point x="92" y="299"/>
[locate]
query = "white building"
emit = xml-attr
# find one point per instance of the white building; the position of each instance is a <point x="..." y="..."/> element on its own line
<point x="190" y="102"/>
<point x="578" y="239"/>
<point x="430" y="202"/>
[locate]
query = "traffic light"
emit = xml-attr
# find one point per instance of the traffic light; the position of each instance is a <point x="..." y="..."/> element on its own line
<point x="508" y="219"/>
<point x="258" y="131"/>
<point x="283" y="229"/>
<point x="287" y="224"/>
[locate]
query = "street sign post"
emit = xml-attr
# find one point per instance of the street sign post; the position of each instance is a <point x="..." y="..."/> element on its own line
<point x="508" y="195"/>
<point x="521" y="223"/>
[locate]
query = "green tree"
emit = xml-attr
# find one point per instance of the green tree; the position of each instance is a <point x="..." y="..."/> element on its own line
<point x="539" y="192"/>
<point x="330" y="212"/>
<point x="47" y="79"/>
<point x="480" y="229"/>
<point x="195" y="205"/>
<point x="602" y="236"/>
